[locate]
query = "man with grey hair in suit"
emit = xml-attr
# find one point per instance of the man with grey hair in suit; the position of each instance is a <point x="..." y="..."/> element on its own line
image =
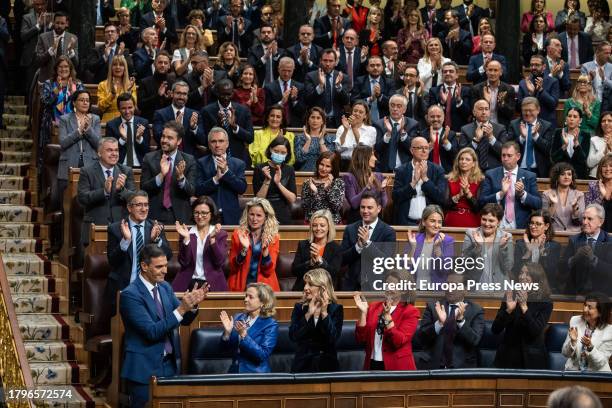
<point x="54" y="43"/>
<point x="104" y="188"/>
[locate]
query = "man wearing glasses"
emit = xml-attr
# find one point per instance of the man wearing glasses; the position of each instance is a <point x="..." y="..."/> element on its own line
<point x="126" y="238"/>
<point x="418" y="183"/>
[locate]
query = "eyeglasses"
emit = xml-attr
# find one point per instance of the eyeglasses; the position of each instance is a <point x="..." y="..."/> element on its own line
<point x="536" y="224"/>
<point x="140" y="205"/>
<point x="83" y="100"/>
<point x="584" y="82"/>
<point x="201" y="213"/>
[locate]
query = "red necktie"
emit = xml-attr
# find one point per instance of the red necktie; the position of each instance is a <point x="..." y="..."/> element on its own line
<point x="166" y="201"/>
<point x="436" y="148"/>
<point x="335" y="39"/>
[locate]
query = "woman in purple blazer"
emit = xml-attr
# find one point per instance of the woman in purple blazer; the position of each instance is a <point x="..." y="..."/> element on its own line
<point x="433" y="245"/>
<point x="202" y="249"/>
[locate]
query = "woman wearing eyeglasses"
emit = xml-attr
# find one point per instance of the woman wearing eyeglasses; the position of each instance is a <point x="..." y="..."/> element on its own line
<point x="202" y="249"/>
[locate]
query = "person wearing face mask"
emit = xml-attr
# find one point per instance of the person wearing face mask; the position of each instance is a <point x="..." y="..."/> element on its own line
<point x="274" y="180"/>
<point x="571" y="145"/>
<point x="255" y="247"/>
<point x="275" y="124"/>
<point x="154" y="91"/>
<point x="588" y="345"/>
<point x="318" y="251"/>
<point x="316" y="325"/>
<point x="387" y="327"/>
<point x="431" y="244"/>
<point x="251" y="335"/>
<point x="451" y="329"/>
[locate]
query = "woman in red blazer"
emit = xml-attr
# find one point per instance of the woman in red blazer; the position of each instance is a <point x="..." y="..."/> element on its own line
<point x="387" y="329"/>
<point x="255" y="247"/>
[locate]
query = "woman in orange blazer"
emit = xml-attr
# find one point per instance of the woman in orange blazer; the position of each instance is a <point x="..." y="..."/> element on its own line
<point x="255" y="247"/>
<point x="387" y="328"/>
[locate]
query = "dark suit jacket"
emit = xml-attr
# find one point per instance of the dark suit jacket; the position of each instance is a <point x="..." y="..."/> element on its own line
<point x="225" y="194"/>
<point x="142" y="64"/>
<point x="98" y="67"/>
<point x="437" y="24"/>
<point x="142" y="148"/>
<point x="99" y="208"/>
<point x="29" y="37"/>
<point x="299" y="74"/>
<point x="581" y="152"/>
<point x="121" y="262"/>
<point x="522" y="344"/>
<point x="195" y="99"/>
<point x="237" y="140"/>
<point x="473" y="20"/>
<point x="528" y="49"/>
<point x="418" y="109"/>
<point x="492" y="184"/>
<point x="606" y="99"/>
<point x="465" y="342"/>
<point x="585" y="47"/>
<point x="73" y="143"/>
<point x="297" y="107"/>
<point x="460" y="50"/>
<point x="459" y="115"/>
<point x="506" y="105"/>
<point x="447" y="157"/>
<point x="146" y="332"/>
<point x="548" y="98"/>
<point x="489" y="155"/>
<point x="45" y="61"/>
<point x="565" y="83"/>
<point x="582" y="275"/>
<point x="107" y="11"/>
<point x="254" y="59"/>
<point x="246" y="38"/>
<point x="403" y="147"/>
<point x="341" y="97"/>
<point x="549" y="259"/>
<point x="148" y="94"/>
<point x="434" y="190"/>
<point x="213" y="259"/>
<point x="542" y="146"/>
<point x="354" y="278"/>
<point x="476" y="61"/>
<point x="178" y="196"/>
<point x="362" y="89"/>
<point x="4" y="39"/>
<point x="315" y="343"/>
<point x="191" y="138"/>
<point x="322" y="29"/>
<point x="301" y="262"/>
<point x="148" y="20"/>
<point x="359" y="68"/>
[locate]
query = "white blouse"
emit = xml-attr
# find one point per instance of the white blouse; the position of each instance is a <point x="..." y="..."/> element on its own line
<point x="177" y="57"/>
<point x="424" y="67"/>
<point x="199" y="272"/>
<point x="367" y="136"/>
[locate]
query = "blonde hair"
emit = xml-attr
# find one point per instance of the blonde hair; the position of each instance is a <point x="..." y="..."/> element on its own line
<point x="320" y="278"/>
<point x="382" y="17"/>
<point x="475" y="175"/>
<point x="430" y="210"/>
<point x="270" y="227"/>
<point x="198" y="43"/>
<point x="266" y="297"/>
<point x="125" y="81"/>
<point x="575" y="93"/>
<point x="331" y="227"/>
<point x="426" y="54"/>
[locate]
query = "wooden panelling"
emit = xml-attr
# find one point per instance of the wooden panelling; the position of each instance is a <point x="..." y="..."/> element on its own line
<point x="271" y="402"/>
<point x="344" y="402"/>
<point x="196" y="403"/>
<point x="307" y="402"/>
<point x="384" y="401"/>
<point x="469" y="400"/>
<point x="511" y="399"/>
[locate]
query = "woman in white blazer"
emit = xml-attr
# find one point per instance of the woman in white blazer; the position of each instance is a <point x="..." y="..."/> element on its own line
<point x="588" y="345"/>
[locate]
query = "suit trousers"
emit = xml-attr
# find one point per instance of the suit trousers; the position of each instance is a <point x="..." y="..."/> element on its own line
<point x="139" y="393"/>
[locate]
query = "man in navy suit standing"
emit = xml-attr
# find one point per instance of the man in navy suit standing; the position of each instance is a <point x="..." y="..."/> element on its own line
<point x="151" y="314"/>
<point x="264" y="57"/>
<point x="305" y="53"/>
<point x="328" y="88"/>
<point x="543" y="87"/>
<point x="287" y="93"/>
<point x="470" y="15"/>
<point x="515" y="189"/>
<point x="418" y="183"/>
<point x="187" y="118"/>
<point x="556" y="67"/>
<point x="476" y="71"/>
<point x="364" y="235"/>
<point x="577" y="45"/>
<point x="351" y="60"/>
<point x="236" y="28"/>
<point x="375" y="89"/>
<point x="221" y="177"/>
<point x="131" y="131"/>
<point x="454" y="98"/>
<point x="457" y="42"/>
<point x="534" y="135"/>
<point x="159" y="18"/>
<point x="329" y="28"/>
<point x="231" y="116"/>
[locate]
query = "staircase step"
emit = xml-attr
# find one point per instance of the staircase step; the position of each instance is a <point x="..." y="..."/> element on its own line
<point x="59" y="373"/>
<point x="13" y="183"/>
<point x="11" y="119"/>
<point x="37" y="284"/>
<point x="41" y="351"/>
<point x="16" y="145"/>
<point x="17" y="128"/>
<point x="15" y="109"/>
<point x="39" y="303"/>
<point x="18" y="157"/>
<point x="27" y="264"/>
<point x="22" y="134"/>
<point x="14" y="99"/>
<point x="43" y="327"/>
<point x="17" y="230"/>
<point x="15" y="197"/>
<point x="80" y="397"/>
<point x="23" y="245"/>
<point x="14" y="169"/>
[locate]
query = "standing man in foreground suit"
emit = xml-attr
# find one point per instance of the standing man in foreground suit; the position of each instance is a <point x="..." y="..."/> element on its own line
<point x="500" y="96"/>
<point x="126" y="238"/>
<point x="131" y="131"/>
<point x="287" y="93"/>
<point x="53" y="44"/>
<point x="104" y="188"/>
<point x="169" y="176"/>
<point x="451" y="330"/>
<point x="542" y="87"/>
<point x="151" y="314"/>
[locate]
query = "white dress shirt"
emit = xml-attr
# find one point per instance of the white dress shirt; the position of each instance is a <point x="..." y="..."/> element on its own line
<point x="367" y="136"/>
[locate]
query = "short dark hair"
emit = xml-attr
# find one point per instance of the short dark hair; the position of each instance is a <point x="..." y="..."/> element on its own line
<point x="494" y="209"/>
<point x="335" y="162"/>
<point x="123" y="98"/>
<point x="575" y="109"/>
<point x="61" y="14"/>
<point x="604" y="307"/>
<point x="599" y="128"/>
<point x="369" y="194"/>
<point x="78" y="93"/>
<point x="223" y="83"/>
<point x="511" y="143"/>
<point x="268" y="25"/>
<point x="269" y="109"/>
<point x="109" y="24"/>
<point x="279" y="141"/>
<point x="137" y="193"/>
<point x="556" y="172"/>
<point x="329" y="51"/>
<point x="163" y="53"/>
<point x="150" y="251"/>
<point x="453" y="63"/>
<point x="176" y="127"/>
<point x="206" y="200"/>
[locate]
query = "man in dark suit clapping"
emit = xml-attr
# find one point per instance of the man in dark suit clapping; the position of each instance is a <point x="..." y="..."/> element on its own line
<point x="484" y="136"/>
<point x="287" y="93"/>
<point x="454" y="98"/>
<point x="131" y="131"/>
<point x="305" y="53"/>
<point x="374" y="88"/>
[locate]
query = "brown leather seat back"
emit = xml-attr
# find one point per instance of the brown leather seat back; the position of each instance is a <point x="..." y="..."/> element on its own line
<point x="95" y="274"/>
<point x="283" y="271"/>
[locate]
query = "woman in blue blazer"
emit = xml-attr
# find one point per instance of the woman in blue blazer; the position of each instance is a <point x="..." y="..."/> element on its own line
<point x="252" y="335"/>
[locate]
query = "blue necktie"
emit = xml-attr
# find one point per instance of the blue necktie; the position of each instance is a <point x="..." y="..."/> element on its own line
<point x="160" y="313"/>
<point x="329" y="99"/>
<point x="139" y="246"/>
<point x="374" y="106"/>
<point x="529" y="147"/>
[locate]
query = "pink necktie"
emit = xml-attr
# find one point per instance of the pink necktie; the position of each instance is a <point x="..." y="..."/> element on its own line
<point x="510" y="200"/>
<point x="166" y="202"/>
<point x="573" y="56"/>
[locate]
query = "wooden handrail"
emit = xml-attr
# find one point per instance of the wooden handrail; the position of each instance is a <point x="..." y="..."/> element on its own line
<point x="15" y="370"/>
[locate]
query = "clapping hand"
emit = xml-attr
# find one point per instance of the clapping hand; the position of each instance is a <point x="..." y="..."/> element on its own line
<point x="213" y="235"/>
<point x="460" y="312"/>
<point x="362" y="236"/>
<point x="164" y="165"/>
<point x="278" y="175"/>
<point x="441" y="312"/>
<point x="227" y="322"/>
<point x="245" y="240"/>
<point x="266" y="172"/>
<point x="510" y="302"/>
<point x="126" y="232"/>
<point x="120" y="181"/>
<point x="182" y="230"/>
<point x="573" y="335"/>
<point x="156" y="230"/>
<point x="193" y="298"/>
<point x="193" y="120"/>
<point x="360" y="302"/>
<point x="519" y="188"/>
<point x="241" y="328"/>
<point x="180" y="170"/>
<point x="108" y="184"/>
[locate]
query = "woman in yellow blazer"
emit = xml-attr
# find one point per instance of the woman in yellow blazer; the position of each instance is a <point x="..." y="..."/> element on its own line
<point x="117" y="81"/>
<point x="275" y="124"/>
